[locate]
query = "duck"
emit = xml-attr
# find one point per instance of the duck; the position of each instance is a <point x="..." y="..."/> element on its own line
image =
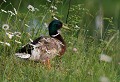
<point x="45" y="48"/>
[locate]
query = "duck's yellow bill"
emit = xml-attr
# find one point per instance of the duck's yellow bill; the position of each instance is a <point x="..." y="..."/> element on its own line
<point x="66" y="27"/>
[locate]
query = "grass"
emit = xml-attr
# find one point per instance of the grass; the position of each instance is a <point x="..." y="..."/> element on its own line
<point x="81" y="65"/>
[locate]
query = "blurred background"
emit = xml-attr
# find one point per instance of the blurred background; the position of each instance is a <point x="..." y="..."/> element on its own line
<point x="101" y="12"/>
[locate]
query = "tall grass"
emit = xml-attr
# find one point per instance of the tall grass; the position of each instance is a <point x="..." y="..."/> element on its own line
<point x="80" y="63"/>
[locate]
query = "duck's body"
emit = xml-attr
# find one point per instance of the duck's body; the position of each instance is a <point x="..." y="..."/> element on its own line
<point x="41" y="49"/>
<point x="45" y="48"/>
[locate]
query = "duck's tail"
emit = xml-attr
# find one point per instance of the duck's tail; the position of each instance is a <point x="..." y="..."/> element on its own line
<point x="22" y="55"/>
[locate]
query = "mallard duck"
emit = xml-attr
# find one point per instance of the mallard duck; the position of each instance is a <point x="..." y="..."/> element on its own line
<point x="45" y="48"/>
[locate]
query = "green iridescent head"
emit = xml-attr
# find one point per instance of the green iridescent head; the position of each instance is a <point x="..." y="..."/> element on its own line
<point x="54" y="26"/>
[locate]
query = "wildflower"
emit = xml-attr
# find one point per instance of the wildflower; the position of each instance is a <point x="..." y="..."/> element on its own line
<point x="18" y="42"/>
<point x="30" y="40"/>
<point x="11" y="13"/>
<point x="55" y="18"/>
<point x="105" y="58"/>
<point x="27" y="25"/>
<point x="5" y="26"/>
<point x="19" y="19"/>
<point x="36" y="9"/>
<point x="15" y="11"/>
<point x="48" y="1"/>
<point x="104" y="79"/>
<point x="50" y="10"/>
<point x="8" y="44"/>
<point x="4" y="1"/>
<point x="18" y="34"/>
<point x="31" y="8"/>
<point x="69" y="42"/>
<point x="77" y="27"/>
<point x="3" y="11"/>
<point x="75" y="49"/>
<point x="10" y="35"/>
<point x="53" y="7"/>
<point x="46" y="25"/>
<point x="1" y="42"/>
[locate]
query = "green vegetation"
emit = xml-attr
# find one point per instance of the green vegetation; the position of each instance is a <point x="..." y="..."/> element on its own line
<point x="92" y="54"/>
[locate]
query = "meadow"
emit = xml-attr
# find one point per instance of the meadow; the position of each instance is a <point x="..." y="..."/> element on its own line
<point x="91" y="56"/>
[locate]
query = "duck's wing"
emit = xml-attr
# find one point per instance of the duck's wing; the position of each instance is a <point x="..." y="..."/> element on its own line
<point x="25" y="51"/>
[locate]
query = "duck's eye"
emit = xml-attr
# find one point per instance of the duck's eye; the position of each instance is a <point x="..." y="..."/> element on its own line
<point x="59" y="25"/>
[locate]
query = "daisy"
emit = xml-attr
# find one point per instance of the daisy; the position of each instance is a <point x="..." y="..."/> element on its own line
<point x="11" y="13"/>
<point x="18" y="34"/>
<point x="18" y="42"/>
<point x="5" y="26"/>
<point x="31" y="8"/>
<point x="3" y="11"/>
<point x="53" y="7"/>
<point x="27" y="25"/>
<point x="6" y="43"/>
<point x="9" y="34"/>
<point x="55" y="18"/>
<point x="15" y="11"/>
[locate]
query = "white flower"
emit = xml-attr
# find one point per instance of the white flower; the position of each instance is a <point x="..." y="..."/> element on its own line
<point x="11" y="13"/>
<point x="15" y="11"/>
<point x="27" y="25"/>
<point x="19" y="19"/>
<point x="31" y="8"/>
<point x="8" y="44"/>
<point x="53" y="7"/>
<point x="1" y="42"/>
<point x="36" y="9"/>
<point x="4" y="1"/>
<point x="30" y="40"/>
<point x="55" y="18"/>
<point x="76" y="26"/>
<point x="5" y="26"/>
<point x="3" y="11"/>
<point x="18" y="34"/>
<point x="46" y="25"/>
<point x="48" y="1"/>
<point x="104" y="79"/>
<point x="18" y="42"/>
<point x="9" y="34"/>
<point x="105" y="58"/>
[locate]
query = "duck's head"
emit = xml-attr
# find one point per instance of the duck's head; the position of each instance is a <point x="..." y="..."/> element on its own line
<point x="53" y="27"/>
